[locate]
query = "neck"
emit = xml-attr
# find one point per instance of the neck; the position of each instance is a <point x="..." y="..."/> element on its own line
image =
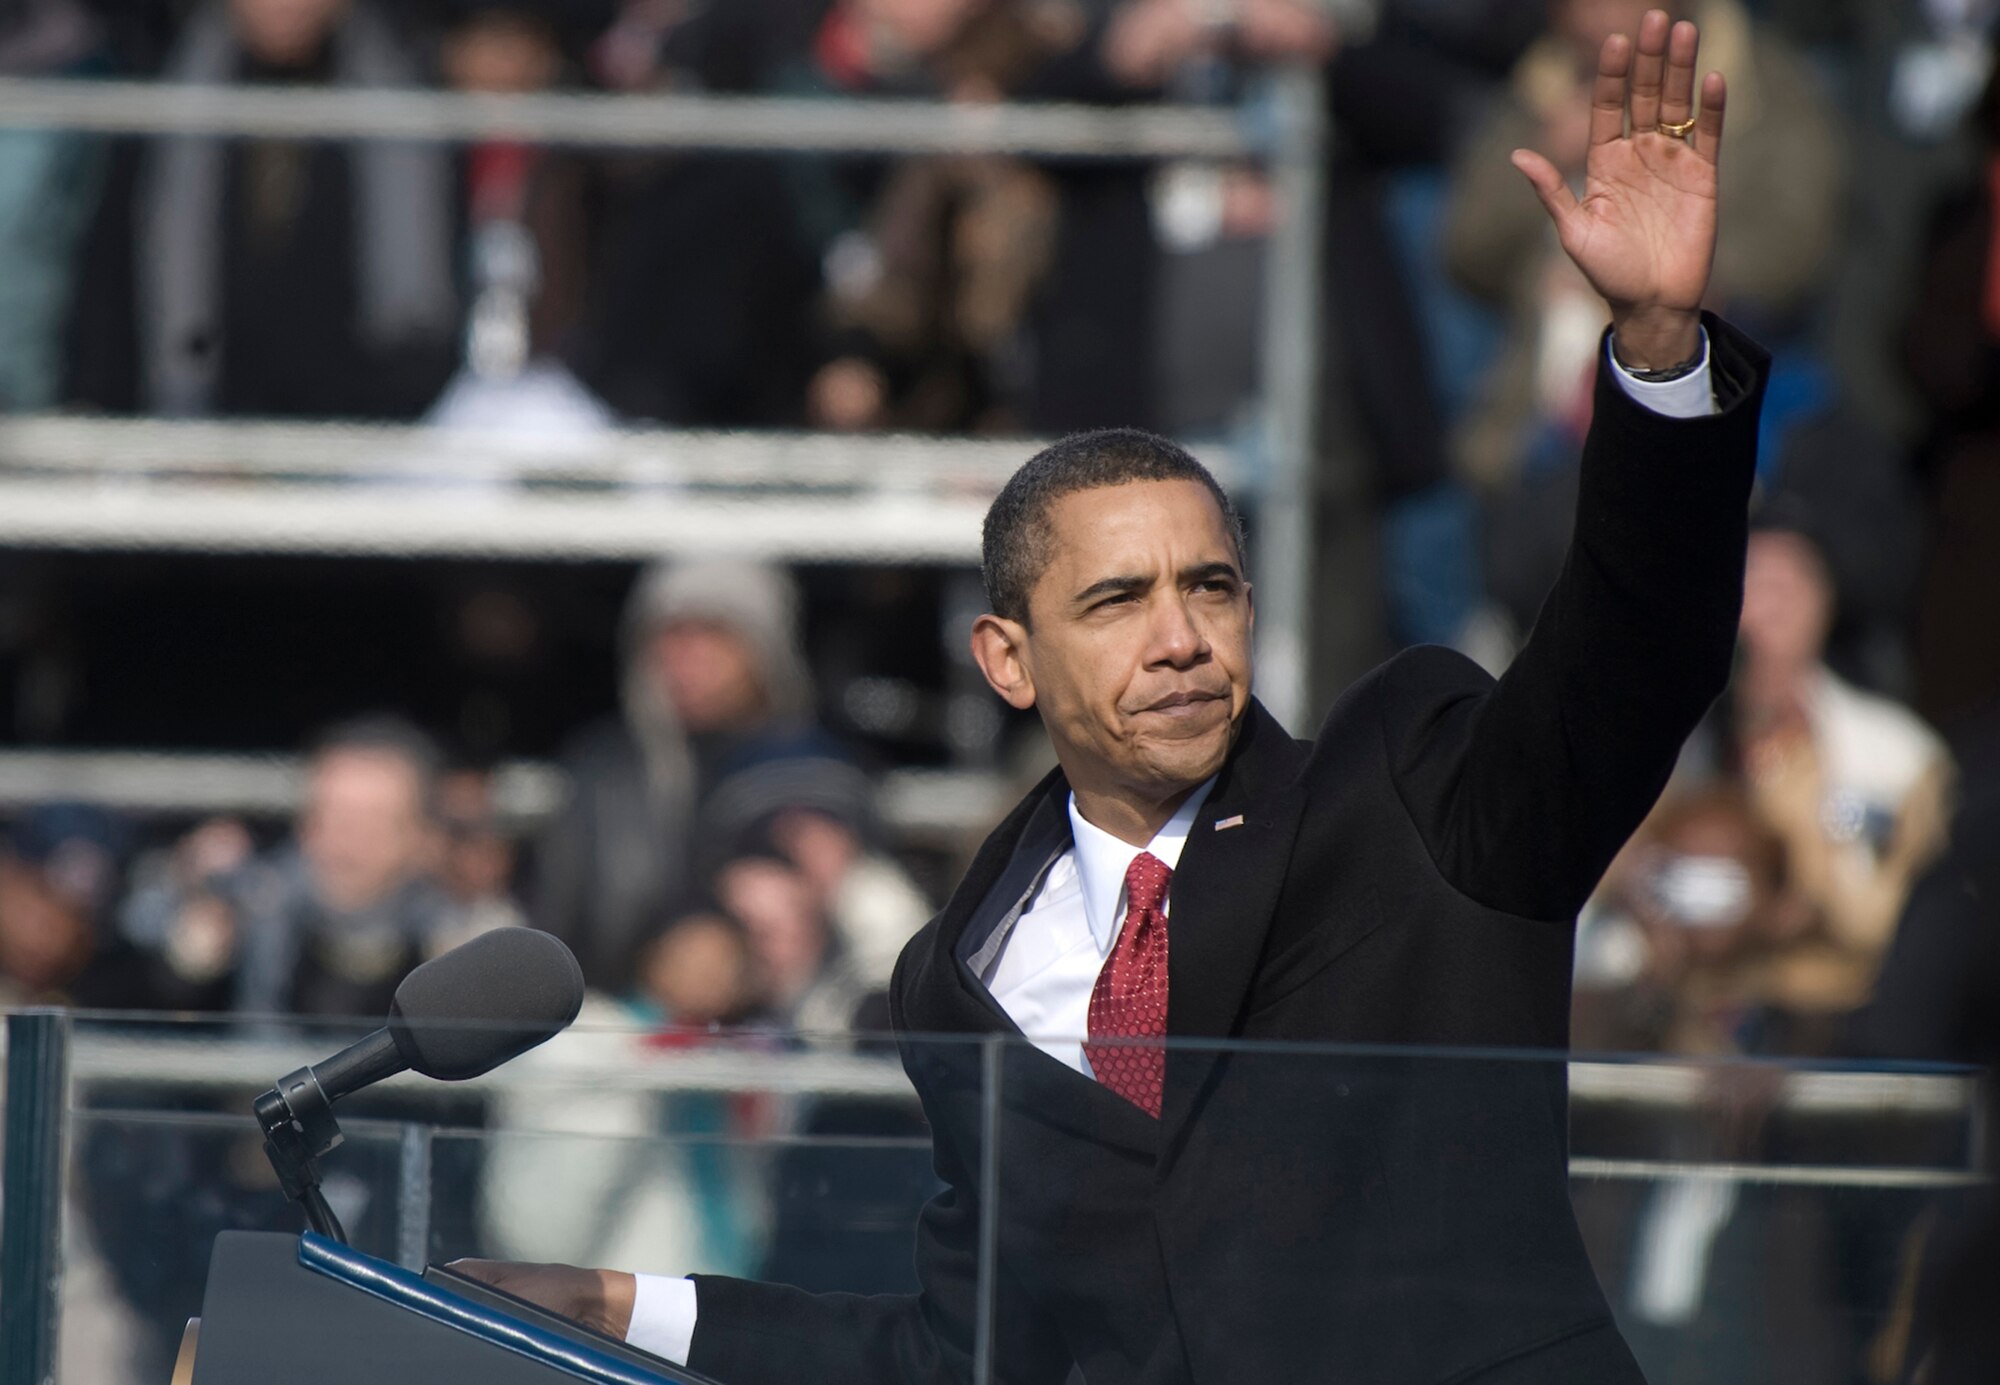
<point x="1133" y="819"/>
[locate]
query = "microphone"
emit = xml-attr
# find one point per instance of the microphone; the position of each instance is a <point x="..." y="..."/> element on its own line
<point x="455" y="1017"/>
<point x="464" y="1014"/>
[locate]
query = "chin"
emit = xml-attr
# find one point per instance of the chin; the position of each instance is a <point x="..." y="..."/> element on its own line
<point x="1185" y="763"/>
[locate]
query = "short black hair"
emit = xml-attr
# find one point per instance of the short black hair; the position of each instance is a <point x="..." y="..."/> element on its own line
<point x="1015" y="545"/>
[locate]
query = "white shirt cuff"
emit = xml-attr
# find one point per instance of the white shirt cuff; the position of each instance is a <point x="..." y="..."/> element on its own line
<point x="1691" y="396"/>
<point x="663" y="1313"/>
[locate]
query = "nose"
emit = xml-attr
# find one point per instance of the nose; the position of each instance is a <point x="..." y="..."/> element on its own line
<point x="1178" y="641"/>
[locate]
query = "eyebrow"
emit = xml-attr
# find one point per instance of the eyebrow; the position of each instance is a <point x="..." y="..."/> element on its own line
<point x="1118" y="586"/>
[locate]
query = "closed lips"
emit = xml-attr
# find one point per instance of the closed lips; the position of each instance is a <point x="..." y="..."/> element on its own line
<point x="1181" y="701"/>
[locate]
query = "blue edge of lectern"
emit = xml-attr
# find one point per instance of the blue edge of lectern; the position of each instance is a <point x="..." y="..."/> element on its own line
<point x="412" y="1292"/>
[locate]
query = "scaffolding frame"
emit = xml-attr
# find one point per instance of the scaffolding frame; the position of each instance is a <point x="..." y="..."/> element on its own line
<point x="114" y="488"/>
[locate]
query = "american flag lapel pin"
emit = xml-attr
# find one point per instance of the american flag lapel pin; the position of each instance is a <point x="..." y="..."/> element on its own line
<point x="1224" y="824"/>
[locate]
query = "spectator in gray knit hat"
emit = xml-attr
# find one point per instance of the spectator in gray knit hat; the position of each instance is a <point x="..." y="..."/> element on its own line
<point x="716" y="732"/>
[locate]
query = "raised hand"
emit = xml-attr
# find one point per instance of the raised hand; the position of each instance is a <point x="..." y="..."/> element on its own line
<point x="1644" y="231"/>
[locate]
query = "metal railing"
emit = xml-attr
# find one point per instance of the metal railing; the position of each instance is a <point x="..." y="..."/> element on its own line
<point x="349" y="489"/>
<point x="61" y="1067"/>
<point x="221" y="1059"/>
<point x="911" y="802"/>
<point x="744" y="124"/>
<point x="934" y="520"/>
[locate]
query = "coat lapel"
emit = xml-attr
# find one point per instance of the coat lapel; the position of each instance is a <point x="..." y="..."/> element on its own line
<point x="1223" y="894"/>
<point x="942" y="994"/>
<point x="1224" y="891"/>
<point x="936" y="992"/>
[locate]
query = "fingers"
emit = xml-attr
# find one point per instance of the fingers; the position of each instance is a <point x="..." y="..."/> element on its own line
<point x="1607" y="93"/>
<point x="486" y="1271"/>
<point x="1677" y="91"/>
<point x="1649" y="70"/>
<point x="1548" y="185"/>
<point x="1708" y="129"/>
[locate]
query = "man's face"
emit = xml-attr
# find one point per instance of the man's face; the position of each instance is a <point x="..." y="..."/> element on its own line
<point x="44" y="938"/>
<point x="1137" y="647"/>
<point x="1787" y="600"/>
<point x="787" y="932"/>
<point x="284" y="33"/>
<point x="698" y="971"/>
<point x="501" y="52"/>
<point x="364" y="830"/>
<point x="709" y="674"/>
<point x="918" y="28"/>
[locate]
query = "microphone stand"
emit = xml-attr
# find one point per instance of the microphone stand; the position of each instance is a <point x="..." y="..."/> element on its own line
<point x="297" y="1119"/>
<point x="298" y="1127"/>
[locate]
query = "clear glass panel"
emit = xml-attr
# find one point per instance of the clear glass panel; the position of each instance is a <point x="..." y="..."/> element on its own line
<point x="1409" y="1213"/>
<point x="763" y="1156"/>
<point x="1419" y="1214"/>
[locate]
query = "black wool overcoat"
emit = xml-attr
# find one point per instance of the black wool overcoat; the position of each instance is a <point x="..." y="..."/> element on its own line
<point x="1334" y="1204"/>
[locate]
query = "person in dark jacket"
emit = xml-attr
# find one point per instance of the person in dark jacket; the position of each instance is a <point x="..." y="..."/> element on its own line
<point x="1410" y="877"/>
<point x="269" y="276"/>
<point x="717" y="734"/>
<point x="330" y="921"/>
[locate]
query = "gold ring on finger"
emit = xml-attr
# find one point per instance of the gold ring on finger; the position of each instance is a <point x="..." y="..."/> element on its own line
<point x="1677" y="128"/>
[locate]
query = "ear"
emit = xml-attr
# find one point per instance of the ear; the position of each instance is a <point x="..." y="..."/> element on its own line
<point x="999" y="647"/>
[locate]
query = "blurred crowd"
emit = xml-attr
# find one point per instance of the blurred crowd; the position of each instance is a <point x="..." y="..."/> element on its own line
<point x="272" y="277"/>
<point x="716" y="861"/>
<point x="1816" y="882"/>
<point x="718" y="856"/>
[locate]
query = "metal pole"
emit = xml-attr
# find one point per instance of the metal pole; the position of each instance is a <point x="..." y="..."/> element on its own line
<point x="413" y="1197"/>
<point x="769" y="125"/>
<point x="31" y="1202"/>
<point x="1283" y="553"/>
<point x="991" y="1050"/>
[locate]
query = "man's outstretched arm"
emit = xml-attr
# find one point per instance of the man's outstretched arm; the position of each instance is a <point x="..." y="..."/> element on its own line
<point x="745" y="1332"/>
<point x="748" y="1333"/>
<point x="1526" y="790"/>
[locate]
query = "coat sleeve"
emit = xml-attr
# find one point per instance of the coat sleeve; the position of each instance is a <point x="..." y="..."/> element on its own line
<point x="749" y="1333"/>
<point x="1526" y="788"/>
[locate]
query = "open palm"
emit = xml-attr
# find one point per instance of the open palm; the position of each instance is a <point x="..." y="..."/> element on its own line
<point x="1643" y="232"/>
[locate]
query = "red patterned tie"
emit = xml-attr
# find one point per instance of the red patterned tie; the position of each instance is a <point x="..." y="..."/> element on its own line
<point x="1130" y="998"/>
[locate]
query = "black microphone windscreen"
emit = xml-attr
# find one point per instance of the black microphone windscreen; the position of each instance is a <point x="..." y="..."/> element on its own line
<point x="485" y="1001"/>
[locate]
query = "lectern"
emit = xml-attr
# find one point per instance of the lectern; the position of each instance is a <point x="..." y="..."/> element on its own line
<point x="307" y="1310"/>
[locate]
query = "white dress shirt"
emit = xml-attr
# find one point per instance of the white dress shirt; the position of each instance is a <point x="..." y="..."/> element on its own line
<point x="1046" y="971"/>
<point x="1048" y="965"/>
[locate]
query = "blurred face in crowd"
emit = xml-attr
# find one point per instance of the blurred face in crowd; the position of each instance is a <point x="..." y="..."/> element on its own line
<point x="366" y="830"/>
<point x="709" y="673"/>
<point x="1787" y="601"/>
<point x="917" y="27"/>
<point x="1136" y="651"/>
<point x="1586" y="24"/>
<point x="698" y="970"/>
<point x="782" y="920"/>
<point x="285" y="33"/>
<point x="503" y="52"/>
<point x="478" y="858"/>
<point x="45" y="939"/>
<point x="823" y="848"/>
